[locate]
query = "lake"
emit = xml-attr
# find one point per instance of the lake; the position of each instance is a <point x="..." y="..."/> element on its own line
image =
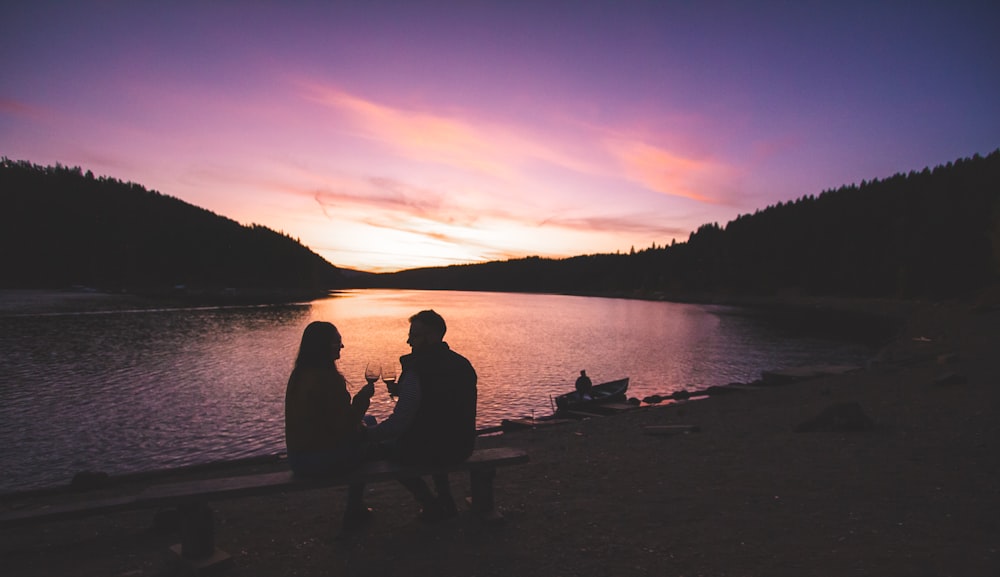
<point x="135" y="390"/>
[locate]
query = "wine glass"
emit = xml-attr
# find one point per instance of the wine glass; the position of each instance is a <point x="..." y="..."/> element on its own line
<point x="389" y="376"/>
<point x="372" y="372"/>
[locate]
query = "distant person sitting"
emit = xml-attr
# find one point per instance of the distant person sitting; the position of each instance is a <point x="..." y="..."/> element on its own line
<point x="584" y="385"/>
<point x="323" y="428"/>
<point x="434" y="420"/>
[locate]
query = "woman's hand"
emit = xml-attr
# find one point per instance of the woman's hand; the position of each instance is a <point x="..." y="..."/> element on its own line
<point x="362" y="400"/>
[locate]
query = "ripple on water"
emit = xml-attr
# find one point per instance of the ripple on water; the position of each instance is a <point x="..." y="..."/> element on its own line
<point x="139" y="390"/>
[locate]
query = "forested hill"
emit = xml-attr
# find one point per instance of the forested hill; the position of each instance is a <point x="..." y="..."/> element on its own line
<point x="928" y="234"/>
<point x="933" y="233"/>
<point x="60" y="227"/>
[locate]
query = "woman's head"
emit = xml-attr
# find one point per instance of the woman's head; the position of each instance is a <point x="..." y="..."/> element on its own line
<point x="320" y="347"/>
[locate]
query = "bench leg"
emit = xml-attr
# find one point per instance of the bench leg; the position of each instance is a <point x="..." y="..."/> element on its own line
<point x="482" y="494"/>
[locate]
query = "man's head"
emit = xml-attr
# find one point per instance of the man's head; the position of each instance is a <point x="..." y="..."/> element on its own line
<point x="426" y="328"/>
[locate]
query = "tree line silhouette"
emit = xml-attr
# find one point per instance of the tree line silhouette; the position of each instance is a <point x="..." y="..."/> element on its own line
<point x="927" y="234"/>
<point x="62" y="227"/>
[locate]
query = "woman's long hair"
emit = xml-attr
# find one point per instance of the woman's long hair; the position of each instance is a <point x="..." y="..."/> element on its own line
<point x="317" y="347"/>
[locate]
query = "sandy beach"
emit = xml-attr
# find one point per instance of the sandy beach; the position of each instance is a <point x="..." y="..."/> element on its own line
<point x="744" y="495"/>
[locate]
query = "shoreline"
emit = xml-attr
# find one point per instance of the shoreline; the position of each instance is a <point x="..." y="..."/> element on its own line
<point x="28" y="302"/>
<point x="86" y="301"/>
<point x="80" y="301"/>
<point x="743" y="495"/>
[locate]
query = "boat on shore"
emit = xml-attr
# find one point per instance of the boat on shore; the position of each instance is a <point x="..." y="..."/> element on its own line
<point x="609" y="392"/>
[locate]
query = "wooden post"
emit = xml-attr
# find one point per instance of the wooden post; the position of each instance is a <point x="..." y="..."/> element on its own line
<point x="197" y="531"/>
<point x="481" y="479"/>
<point x="196" y="552"/>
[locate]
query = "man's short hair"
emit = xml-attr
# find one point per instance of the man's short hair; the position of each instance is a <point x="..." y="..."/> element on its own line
<point x="433" y="321"/>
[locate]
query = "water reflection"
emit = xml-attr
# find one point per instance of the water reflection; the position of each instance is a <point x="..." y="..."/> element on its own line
<point x="137" y="390"/>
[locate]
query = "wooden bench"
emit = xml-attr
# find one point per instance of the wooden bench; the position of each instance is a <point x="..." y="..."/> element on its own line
<point x="191" y="498"/>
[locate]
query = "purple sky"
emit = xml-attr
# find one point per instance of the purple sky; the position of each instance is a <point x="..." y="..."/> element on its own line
<point x="389" y="135"/>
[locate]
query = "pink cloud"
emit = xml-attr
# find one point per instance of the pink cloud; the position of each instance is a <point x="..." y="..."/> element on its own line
<point x="626" y="224"/>
<point x="23" y="109"/>
<point x="420" y="136"/>
<point x="504" y="151"/>
<point x="670" y="173"/>
<point x="450" y="139"/>
<point x="381" y="195"/>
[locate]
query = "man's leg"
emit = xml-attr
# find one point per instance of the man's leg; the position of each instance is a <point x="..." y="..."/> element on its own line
<point x="419" y="489"/>
<point x="433" y="509"/>
<point x="446" y="503"/>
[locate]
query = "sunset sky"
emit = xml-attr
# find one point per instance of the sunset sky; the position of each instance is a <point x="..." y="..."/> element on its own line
<point x="392" y="135"/>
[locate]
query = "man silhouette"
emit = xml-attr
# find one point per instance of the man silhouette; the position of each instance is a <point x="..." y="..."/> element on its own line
<point x="583" y="385"/>
<point x="434" y="420"/>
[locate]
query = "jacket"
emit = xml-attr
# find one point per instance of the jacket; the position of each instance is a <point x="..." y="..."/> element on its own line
<point x="444" y="429"/>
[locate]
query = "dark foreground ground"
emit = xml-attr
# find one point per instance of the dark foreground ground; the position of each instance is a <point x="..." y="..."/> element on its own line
<point x="747" y="495"/>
